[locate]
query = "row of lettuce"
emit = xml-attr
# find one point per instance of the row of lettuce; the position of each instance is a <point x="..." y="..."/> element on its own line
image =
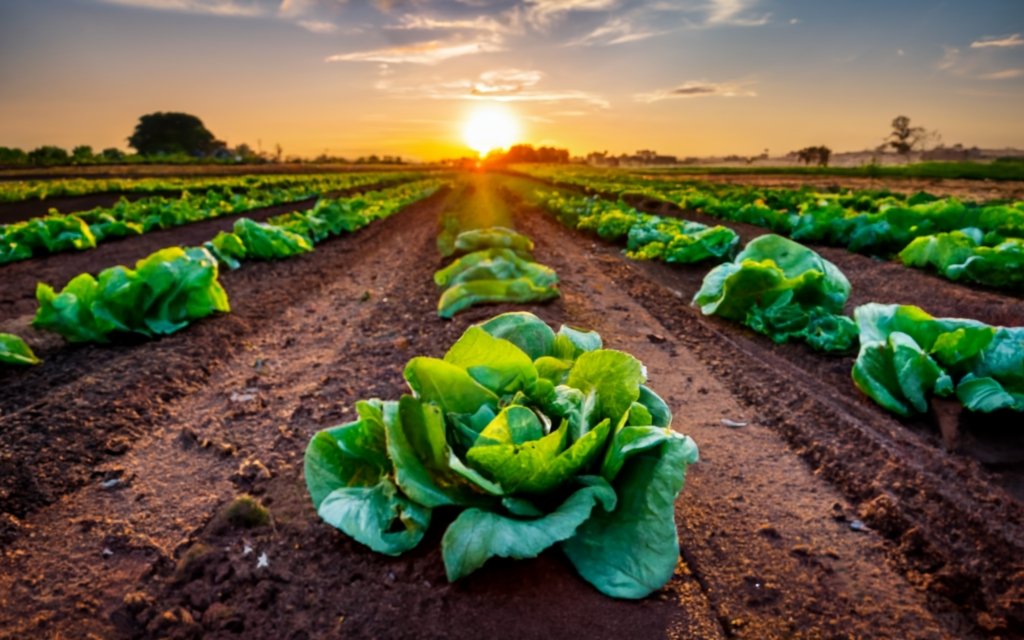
<point x="490" y="263"/>
<point x="21" y="190"/>
<point x="787" y="292"/>
<point x="963" y="241"/>
<point x="175" y="286"/>
<point x="83" y="230"/>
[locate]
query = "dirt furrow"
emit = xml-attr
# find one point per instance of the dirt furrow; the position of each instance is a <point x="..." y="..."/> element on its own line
<point x="789" y="567"/>
<point x="87" y="403"/>
<point x="957" y="533"/>
<point x="141" y="506"/>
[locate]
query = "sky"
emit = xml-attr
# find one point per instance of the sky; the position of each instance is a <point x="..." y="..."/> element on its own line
<point x="402" y="77"/>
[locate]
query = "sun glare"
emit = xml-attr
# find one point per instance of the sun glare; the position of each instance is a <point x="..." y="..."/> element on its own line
<point x="490" y="128"/>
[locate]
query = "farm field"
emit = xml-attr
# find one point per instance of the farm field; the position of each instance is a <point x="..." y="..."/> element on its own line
<point x="813" y="511"/>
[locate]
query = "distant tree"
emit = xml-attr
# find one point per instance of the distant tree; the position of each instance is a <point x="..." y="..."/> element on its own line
<point x="47" y="156"/>
<point x="819" y="155"/>
<point x="170" y="133"/>
<point x="112" y="154"/>
<point x="245" y="153"/>
<point x="278" y="152"/>
<point x="82" y="154"/>
<point x="12" y="156"/>
<point x="905" y="138"/>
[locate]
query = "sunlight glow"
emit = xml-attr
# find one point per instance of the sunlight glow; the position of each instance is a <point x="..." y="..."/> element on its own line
<point x="489" y="128"/>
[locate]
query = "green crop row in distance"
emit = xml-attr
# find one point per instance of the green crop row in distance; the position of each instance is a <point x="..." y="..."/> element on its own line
<point x="874" y="222"/>
<point x="175" y="286"/>
<point x="63" y="232"/>
<point x="20" y="190"/>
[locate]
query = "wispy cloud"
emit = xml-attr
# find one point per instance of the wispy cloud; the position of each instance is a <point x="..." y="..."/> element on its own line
<point x="431" y="52"/>
<point x="1004" y="74"/>
<point x="615" y="31"/>
<point x="500" y="85"/>
<point x="209" y="7"/>
<point x="698" y="89"/>
<point x="317" y="26"/>
<point x="542" y="13"/>
<point x="1014" y="40"/>
<point x="507" y="23"/>
<point x="735" y="12"/>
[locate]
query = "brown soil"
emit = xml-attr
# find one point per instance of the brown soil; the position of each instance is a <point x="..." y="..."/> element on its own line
<point x="819" y="517"/>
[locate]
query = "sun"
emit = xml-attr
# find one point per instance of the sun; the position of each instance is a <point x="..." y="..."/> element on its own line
<point x="491" y="127"/>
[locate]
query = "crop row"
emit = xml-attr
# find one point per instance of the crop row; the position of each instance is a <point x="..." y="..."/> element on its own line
<point x="175" y="286"/>
<point x="84" y="230"/>
<point x="873" y="222"/>
<point x="20" y="190"/>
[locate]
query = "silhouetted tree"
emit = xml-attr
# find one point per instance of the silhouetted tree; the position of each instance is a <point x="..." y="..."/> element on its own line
<point x="82" y="154"/>
<point x="904" y="138"/>
<point x="169" y="133"/>
<point x="112" y="154"/>
<point x="47" y="156"/>
<point x="819" y="155"/>
<point x="13" y="156"/>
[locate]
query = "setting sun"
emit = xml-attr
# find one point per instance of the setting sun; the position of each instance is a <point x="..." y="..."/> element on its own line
<point x="490" y="128"/>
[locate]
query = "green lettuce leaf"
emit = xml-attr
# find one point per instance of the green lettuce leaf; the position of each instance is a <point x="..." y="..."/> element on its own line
<point x="477" y="535"/>
<point x="13" y="350"/>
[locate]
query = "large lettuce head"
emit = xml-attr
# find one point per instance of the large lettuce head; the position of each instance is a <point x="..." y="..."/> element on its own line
<point x="542" y="437"/>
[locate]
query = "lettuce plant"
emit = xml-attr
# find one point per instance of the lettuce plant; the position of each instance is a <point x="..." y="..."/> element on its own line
<point x="906" y="355"/>
<point x="965" y="255"/>
<point x="162" y="294"/>
<point x="13" y="350"/>
<point x="500" y="268"/>
<point x="531" y="439"/>
<point x="784" y="290"/>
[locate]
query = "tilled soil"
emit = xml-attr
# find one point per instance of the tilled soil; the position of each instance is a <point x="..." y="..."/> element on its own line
<point x="812" y="514"/>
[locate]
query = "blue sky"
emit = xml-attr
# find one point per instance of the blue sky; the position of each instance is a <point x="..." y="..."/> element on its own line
<point x="685" y="77"/>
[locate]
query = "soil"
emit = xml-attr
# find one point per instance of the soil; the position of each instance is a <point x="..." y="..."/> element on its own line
<point x="813" y="514"/>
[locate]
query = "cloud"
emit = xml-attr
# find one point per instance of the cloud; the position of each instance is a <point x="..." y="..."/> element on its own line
<point x="317" y="26"/>
<point x="615" y="31"/>
<point x="508" y="23"/>
<point x="501" y="85"/>
<point x="998" y="41"/>
<point x="697" y="89"/>
<point x="735" y="12"/>
<point x="1005" y="74"/>
<point x="430" y="52"/>
<point x="209" y="7"/>
<point x="505" y="82"/>
<point x="542" y="13"/>
<point x="950" y="59"/>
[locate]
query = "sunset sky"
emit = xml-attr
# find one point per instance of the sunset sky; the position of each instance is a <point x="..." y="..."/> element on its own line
<point x="686" y="77"/>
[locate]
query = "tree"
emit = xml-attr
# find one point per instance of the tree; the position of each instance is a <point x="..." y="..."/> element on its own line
<point x="819" y="155"/>
<point x="904" y="138"/>
<point x="112" y="154"/>
<point x="82" y="154"/>
<point x="170" y="133"/>
<point x="12" y="156"/>
<point x="48" y="155"/>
